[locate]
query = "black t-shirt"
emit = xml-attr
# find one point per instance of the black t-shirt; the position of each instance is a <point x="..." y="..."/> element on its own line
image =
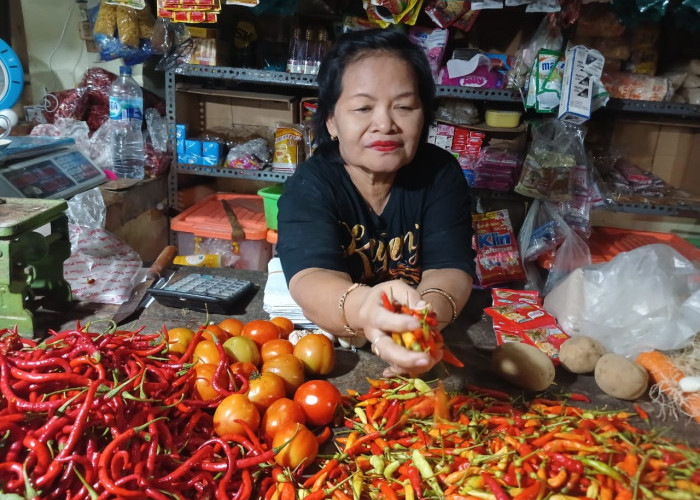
<point x="324" y="222"/>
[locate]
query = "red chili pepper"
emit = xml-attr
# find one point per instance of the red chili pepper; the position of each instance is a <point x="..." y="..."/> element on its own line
<point x="566" y="461"/>
<point x="414" y="477"/>
<point x="575" y="396"/>
<point x="489" y="392"/>
<point x="495" y="487"/>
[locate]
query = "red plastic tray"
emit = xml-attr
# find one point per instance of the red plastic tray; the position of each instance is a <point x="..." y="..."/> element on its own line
<point x="606" y="242"/>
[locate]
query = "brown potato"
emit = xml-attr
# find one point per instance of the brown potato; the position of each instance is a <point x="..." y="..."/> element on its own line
<point x="620" y="377"/>
<point x="580" y="354"/>
<point x="523" y="365"/>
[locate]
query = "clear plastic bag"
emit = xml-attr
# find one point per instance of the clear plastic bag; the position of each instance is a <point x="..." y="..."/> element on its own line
<point x="548" y="170"/>
<point x="101" y="268"/>
<point x="251" y="155"/>
<point x="547" y="242"/>
<point x="645" y="299"/>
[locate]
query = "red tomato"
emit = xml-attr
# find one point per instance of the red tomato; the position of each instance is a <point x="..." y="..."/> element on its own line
<point x="275" y="347"/>
<point x="232" y="326"/>
<point x="316" y="352"/>
<point x="264" y="389"/>
<point x="261" y="330"/>
<point x="205" y="352"/>
<point x="281" y="412"/>
<point x="179" y="340"/>
<point x="244" y="368"/>
<point x="232" y="408"/>
<point x="319" y="399"/>
<point x="202" y="384"/>
<point x="212" y="332"/>
<point x="289" y="367"/>
<point x="285" y="325"/>
<point x="302" y="448"/>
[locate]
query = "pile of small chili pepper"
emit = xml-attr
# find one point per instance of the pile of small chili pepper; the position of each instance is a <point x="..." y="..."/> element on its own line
<point x="111" y="415"/>
<point x="407" y="440"/>
<point x="426" y="337"/>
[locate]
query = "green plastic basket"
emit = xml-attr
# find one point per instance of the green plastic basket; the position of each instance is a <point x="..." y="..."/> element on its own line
<point x="270" y="195"/>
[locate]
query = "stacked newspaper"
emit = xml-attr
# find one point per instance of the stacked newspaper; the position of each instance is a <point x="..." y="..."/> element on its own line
<point x="278" y="302"/>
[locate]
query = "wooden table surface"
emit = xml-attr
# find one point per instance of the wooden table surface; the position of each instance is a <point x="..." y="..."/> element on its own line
<point x="471" y="338"/>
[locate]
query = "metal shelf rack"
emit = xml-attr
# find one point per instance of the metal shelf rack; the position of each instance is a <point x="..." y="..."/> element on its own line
<point x="278" y="78"/>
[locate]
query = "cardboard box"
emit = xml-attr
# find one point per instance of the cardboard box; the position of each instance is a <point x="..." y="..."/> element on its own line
<point x="244" y="113"/>
<point x="583" y="67"/>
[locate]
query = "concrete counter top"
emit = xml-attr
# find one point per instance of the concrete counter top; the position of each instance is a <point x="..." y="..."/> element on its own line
<point x="471" y="338"/>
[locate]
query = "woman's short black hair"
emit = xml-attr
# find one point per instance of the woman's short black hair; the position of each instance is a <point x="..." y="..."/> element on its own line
<point x="356" y="45"/>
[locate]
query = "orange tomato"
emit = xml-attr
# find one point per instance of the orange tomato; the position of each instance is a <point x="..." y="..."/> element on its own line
<point x="244" y="368"/>
<point x="212" y="331"/>
<point x="264" y="389"/>
<point x="232" y="408"/>
<point x="205" y="352"/>
<point x="261" y="330"/>
<point x="203" y="385"/>
<point x="275" y="347"/>
<point x="179" y="340"/>
<point x="301" y="445"/>
<point x="316" y="352"/>
<point x="232" y="325"/>
<point x="289" y="367"/>
<point x="284" y="324"/>
<point x="280" y="412"/>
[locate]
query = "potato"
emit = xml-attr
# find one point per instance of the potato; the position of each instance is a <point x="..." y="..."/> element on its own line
<point x="620" y="377"/>
<point x="580" y="354"/>
<point x="523" y="365"/>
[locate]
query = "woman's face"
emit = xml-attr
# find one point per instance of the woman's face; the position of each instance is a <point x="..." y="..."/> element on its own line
<point x="378" y="118"/>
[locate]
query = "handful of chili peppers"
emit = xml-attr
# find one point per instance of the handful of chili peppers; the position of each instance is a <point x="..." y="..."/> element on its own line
<point x="425" y="338"/>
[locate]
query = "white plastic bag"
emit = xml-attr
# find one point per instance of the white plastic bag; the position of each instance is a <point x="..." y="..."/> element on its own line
<point x="102" y="268"/>
<point x="645" y="299"/>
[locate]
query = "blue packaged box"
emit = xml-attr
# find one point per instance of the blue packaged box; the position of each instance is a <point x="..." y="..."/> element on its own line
<point x="180" y="135"/>
<point x="192" y="153"/>
<point x="211" y="153"/>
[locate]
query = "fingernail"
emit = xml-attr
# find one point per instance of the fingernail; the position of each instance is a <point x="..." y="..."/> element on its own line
<point x="421" y="362"/>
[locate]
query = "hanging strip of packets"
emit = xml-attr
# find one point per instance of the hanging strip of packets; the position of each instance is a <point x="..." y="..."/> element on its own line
<point x="189" y="11"/>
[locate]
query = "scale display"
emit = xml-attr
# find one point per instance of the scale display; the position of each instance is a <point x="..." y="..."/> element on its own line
<point x="55" y="176"/>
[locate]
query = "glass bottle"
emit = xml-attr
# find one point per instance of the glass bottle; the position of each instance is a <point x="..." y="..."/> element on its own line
<point x="320" y="50"/>
<point x="309" y="52"/>
<point x="293" y="61"/>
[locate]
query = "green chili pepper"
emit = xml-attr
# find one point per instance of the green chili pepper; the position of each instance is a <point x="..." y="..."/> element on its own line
<point x="602" y="467"/>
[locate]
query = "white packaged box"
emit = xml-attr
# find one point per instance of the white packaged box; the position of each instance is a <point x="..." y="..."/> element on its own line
<point x="583" y="67"/>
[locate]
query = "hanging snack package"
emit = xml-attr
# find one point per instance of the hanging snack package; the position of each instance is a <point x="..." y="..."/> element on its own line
<point x="497" y="255"/>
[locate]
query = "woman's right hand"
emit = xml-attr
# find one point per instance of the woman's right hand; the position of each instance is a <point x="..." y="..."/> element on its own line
<point x="380" y="322"/>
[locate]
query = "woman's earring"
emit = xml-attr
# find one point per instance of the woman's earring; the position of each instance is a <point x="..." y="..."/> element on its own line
<point x="334" y="138"/>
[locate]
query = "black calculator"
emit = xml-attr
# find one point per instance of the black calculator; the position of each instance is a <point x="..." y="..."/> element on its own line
<point x="203" y="292"/>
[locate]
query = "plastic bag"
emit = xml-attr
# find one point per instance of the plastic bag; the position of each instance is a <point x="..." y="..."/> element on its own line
<point x="547" y="242"/>
<point x="645" y="299"/>
<point x="102" y="268"/>
<point x="251" y="155"/>
<point x="548" y="170"/>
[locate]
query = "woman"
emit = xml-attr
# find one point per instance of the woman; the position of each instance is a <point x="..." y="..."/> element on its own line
<point x="376" y="209"/>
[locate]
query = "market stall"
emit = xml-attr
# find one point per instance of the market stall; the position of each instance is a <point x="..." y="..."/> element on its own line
<point x="572" y="372"/>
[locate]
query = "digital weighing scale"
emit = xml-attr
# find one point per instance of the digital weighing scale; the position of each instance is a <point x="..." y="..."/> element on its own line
<point x="46" y="167"/>
<point x="31" y="261"/>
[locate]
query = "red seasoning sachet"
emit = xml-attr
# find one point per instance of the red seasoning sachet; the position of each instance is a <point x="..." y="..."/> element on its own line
<point x="497" y="255"/>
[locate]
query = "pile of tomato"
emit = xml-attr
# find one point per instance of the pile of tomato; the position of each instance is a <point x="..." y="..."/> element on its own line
<point x="285" y="403"/>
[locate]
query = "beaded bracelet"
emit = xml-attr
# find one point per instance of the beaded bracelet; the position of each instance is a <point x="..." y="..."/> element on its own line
<point x="447" y="296"/>
<point x="341" y="306"/>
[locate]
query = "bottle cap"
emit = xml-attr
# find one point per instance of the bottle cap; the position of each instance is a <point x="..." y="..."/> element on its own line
<point x="124" y="70"/>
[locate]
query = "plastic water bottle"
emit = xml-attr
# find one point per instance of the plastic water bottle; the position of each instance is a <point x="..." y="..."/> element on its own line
<point x="126" y="115"/>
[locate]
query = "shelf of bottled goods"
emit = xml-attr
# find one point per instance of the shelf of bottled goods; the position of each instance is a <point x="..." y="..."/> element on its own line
<point x="279" y="78"/>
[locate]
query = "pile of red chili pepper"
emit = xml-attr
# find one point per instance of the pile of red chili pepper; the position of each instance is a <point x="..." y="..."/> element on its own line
<point x="111" y="415"/>
<point x="407" y="439"/>
<point x="426" y="337"/>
